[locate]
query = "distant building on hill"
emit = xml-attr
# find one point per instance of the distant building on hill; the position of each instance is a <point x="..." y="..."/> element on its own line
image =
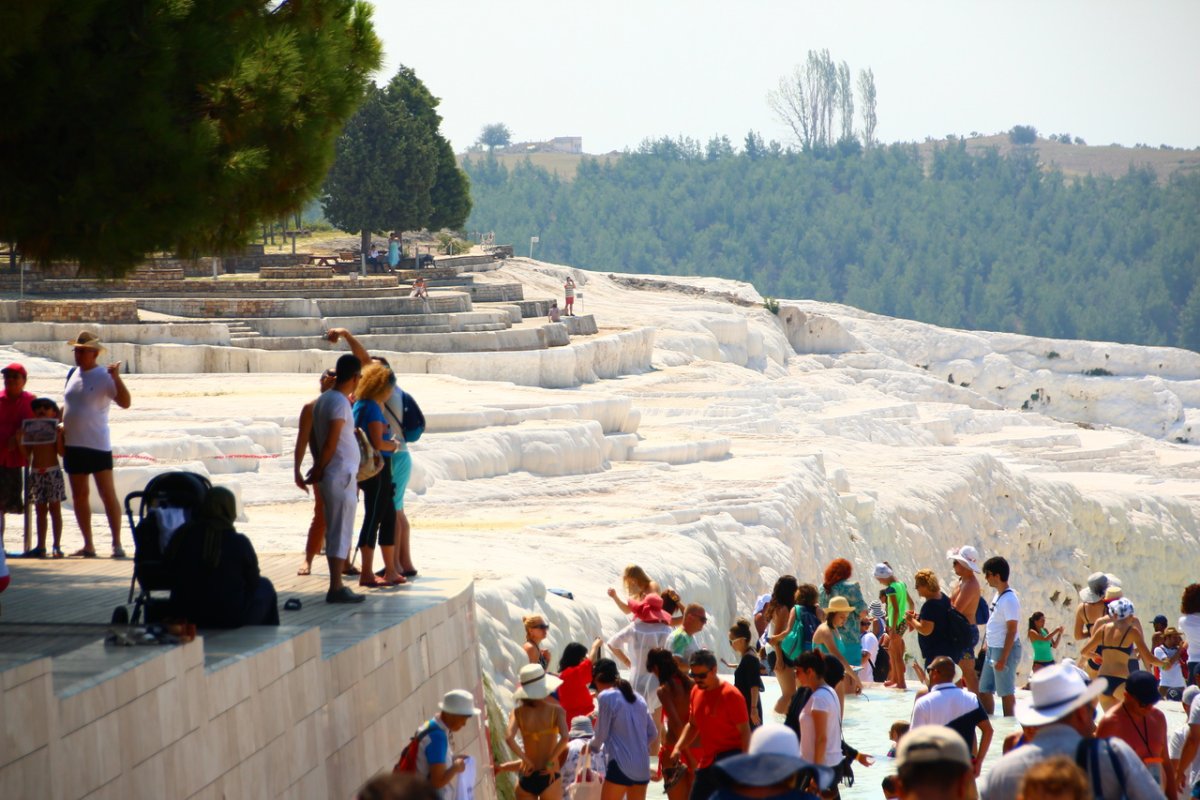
<point x="559" y="144"/>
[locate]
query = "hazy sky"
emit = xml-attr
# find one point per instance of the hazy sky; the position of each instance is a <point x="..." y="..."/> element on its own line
<point x="617" y="72"/>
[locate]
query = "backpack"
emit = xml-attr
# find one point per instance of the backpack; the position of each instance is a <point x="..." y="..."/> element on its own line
<point x="982" y="613"/>
<point x="408" y="756"/>
<point x="881" y="666"/>
<point x="799" y="638"/>
<point x="410" y="420"/>
<point x="1087" y="756"/>
<point x="370" y="462"/>
<point x="958" y="630"/>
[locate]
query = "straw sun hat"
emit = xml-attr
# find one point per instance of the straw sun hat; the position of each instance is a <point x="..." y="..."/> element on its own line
<point x="87" y="339"/>
<point x="535" y="683"/>
<point x="837" y="604"/>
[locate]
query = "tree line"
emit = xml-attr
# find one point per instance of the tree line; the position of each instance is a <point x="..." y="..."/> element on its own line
<point x="984" y="241"/>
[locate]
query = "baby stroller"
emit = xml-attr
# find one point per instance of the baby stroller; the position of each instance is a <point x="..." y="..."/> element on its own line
<point x="168" y="502"/>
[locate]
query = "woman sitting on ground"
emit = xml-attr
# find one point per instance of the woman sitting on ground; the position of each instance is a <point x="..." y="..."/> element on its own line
<point x="215" y="570"/>
<point x="542" y="726"/>
<point x="536" y="631"/>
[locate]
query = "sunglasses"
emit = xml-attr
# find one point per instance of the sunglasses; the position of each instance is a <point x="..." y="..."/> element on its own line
<point x="543" y="626"/>
<point x="698" y="676"/>
<point x="701" y="617"/>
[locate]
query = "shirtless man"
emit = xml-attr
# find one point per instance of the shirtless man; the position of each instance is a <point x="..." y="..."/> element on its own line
<point x="965" y="599"/>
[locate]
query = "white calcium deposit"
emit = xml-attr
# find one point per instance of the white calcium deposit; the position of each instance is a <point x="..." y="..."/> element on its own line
<point x="719" y="445"/>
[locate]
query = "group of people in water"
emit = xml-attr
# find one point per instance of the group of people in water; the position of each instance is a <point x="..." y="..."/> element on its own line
<point x="585" y="719"/>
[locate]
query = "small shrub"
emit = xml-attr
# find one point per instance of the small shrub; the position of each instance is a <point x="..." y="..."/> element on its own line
<point x="771" y="304"/>
<point x="1097" y="372"/>
<point x="1053" y="354"/>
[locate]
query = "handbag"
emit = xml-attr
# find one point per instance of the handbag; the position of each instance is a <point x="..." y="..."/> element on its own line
<point x="587" y="784"/>
<point x="370" y="462"/>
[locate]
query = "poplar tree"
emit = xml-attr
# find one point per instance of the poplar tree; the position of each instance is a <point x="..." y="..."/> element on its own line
<point x="132" y="126"/>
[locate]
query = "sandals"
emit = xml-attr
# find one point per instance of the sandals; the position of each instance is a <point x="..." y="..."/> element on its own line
<point x="118" y="552"/>
<point x="35" y="552"/>
<point x="58" y="553"/>
<point x="82" y="553"/>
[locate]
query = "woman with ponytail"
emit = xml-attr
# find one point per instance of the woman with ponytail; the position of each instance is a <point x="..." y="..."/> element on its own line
<point x="625" y="730"/>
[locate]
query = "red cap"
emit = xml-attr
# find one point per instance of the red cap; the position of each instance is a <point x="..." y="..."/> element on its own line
<point x="15" y="367"/>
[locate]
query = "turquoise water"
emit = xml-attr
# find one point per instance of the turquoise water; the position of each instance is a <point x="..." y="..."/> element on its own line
<point x="870" y="715"/>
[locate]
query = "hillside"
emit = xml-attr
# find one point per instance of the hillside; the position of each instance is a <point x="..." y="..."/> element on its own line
<point x="1078" y="160"/>
<point x="1072" y="160"/>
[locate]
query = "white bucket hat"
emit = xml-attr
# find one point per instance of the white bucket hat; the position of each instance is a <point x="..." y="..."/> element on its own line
<point x="459" y="702"/>
<point x="1055" y="692"/>
<point x="883" y="571"/>
<point x="535" y="683"/>
<point x="966" y="555"/>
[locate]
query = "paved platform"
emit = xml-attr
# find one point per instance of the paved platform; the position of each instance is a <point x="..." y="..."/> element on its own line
<point x="61" y="609"/>
<point x="308" y="709"/>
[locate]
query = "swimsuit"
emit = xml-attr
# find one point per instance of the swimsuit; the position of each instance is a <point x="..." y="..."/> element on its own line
<point x="1114" y="682"/>
<point x="537" y="782"/>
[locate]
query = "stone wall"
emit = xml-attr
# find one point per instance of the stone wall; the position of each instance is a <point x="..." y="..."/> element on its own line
<point x="88" y="312"/>
<point x="280" y="720"/>
<point x="298" y="272"/>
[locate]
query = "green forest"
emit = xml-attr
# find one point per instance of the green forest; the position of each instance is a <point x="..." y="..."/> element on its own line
<point x="984" y="242"/>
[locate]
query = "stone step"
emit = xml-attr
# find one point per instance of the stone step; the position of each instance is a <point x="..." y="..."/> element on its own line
<point x="390" y="329"/>
<point x="477" y="327"/>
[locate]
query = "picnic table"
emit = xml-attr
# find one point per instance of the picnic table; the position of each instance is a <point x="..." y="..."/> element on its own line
<point x="324" y="261"/>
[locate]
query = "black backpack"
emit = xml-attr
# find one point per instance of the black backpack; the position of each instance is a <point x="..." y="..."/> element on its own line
<point x="958" y="630"/>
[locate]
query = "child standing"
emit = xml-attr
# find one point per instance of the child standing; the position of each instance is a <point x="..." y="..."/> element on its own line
<point x="47" y="489"/>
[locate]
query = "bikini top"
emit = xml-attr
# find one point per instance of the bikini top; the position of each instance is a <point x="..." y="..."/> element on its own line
<point x="1128" y="650"/>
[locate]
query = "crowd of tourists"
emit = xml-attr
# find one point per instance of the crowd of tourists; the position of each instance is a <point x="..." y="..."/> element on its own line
<point x="649" y="704"/>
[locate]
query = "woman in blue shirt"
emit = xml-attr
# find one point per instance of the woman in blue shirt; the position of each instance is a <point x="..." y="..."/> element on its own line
<point x="374" y="388"/>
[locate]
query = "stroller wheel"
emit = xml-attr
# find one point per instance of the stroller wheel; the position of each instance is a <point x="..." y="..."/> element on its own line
<point x="120" y="616"/>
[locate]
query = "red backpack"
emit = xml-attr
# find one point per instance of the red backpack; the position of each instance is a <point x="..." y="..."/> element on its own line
<point x="408" y="756"/>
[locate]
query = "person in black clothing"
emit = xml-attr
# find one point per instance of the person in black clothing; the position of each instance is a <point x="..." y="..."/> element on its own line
<point x="933" y="623"/>
<point x="217" y="582"/>
<point x="747" y="675"/>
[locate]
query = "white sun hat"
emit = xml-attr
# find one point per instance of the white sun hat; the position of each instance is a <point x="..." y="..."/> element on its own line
<point x="966" y="555"/>
<point x="1055" y="692"/>
<point x="535" y="683"/>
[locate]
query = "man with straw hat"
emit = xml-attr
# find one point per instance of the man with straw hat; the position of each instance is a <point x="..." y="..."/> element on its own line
<point x="1061" y="716"/>
<point x="90" y="390"/>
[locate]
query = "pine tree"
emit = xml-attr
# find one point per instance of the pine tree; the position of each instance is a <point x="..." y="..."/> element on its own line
<point x="394" y="170"/>
<point x="139" y="125"/>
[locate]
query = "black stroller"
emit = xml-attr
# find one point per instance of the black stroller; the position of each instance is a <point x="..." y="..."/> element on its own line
<point x="169" y="501"/>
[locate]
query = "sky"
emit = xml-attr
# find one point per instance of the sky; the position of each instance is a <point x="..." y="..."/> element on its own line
<point x="619" y="72"/>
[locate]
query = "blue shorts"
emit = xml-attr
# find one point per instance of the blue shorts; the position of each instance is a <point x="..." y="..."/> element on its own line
<point x="1001" y="683"/>
<point x="401" y="472"/>
<point x="974" y="646"/>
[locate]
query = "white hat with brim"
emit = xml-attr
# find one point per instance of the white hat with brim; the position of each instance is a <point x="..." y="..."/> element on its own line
<point x="1097" y="584"/>
<point x="459" y="702"/>
<point x="1055" y="692"/>
<point x="535" y="683"/>
<point x="773" y="757"/>
<point x="966" y="555"/>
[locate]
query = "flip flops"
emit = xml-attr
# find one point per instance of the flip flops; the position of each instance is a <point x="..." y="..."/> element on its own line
<point x="84" y="554"/>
